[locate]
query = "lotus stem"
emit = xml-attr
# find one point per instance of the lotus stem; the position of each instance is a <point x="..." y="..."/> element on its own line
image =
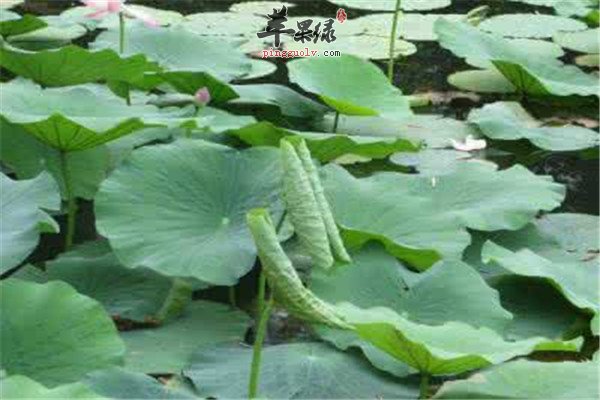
<point x="264" y="311"/>
<point x="335" y="122"/>
<point x="121" y="33"/>
<point x="424" y="387"/>
<point x="122" y="50"/>
<point x="390" y="71"/>
<point x="71" y="201"/>
<point x="231" y="293"/>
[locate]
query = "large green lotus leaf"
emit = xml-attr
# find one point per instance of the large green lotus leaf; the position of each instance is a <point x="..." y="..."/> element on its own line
<point x="576" y="280"/>
<point x="21" y="204"/>
<point x="557" y="237"/>
<point x="584" y="41"/>
<point x="122" y="147"/>
<point x="218" y="120"/>
<point x="209" y="188"/>
<point x="524" y="379"/>
<point x="53" y="334"/>
<point x="292" y="371"/>
<point x="326" y="146"/>
<point x="530" y="25"/>
<point x="349" y="85"/>
<point x="350" y="40"/>
<point x="259" y="69"/>
<point x="72" y="65"/>
<point x="111" y="21"/>
<point x="85" y="116"/>
<point x="481" y="81"/>
<point x="234" y="24"/>
<point x="190" y="82"/>
<point x="6" y="4"/>
<point x="138" y="294"/>
<point x="510" y="121"/>
<point x="431" y="220"/>
<point x="178" y="49"/>
<point x="435" y="162"/>
<point x="565" y="7"/>
<point x="411" y="26"/>
<point x="450" y="348"/>
<point x="13" y="24"/>
<point x="260" y="7"/>
<point x="532" y="75"/>
<point x="27" y="157"/>
<point x="168" y="348"/>
<point x="434" y="131"/>
<point x="118" y="383"/>
<point x="6" y="15"/>
<point x="57" y="33"/>
<point x="290" y="102"/>
<point x="450" y="291"/>
<point x="22" y="387"/>
<point x="537" y="309"/>
<point x="375" y="47"/>
<point x="539" y="49"/>
<point x="390" y="5"/>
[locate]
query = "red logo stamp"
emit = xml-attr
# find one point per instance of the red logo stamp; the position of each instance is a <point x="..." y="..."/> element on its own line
<point x="341" y="15"/>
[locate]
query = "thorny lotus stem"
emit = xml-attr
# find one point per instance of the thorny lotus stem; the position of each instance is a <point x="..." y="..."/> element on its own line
<point x="390" y="71"/>
<point x="335" y="122"/>
<point x="424" y="387"/>
<point x="71" y="204"/>
<point x="264" y="311"/>
<point x="121" y="33"/>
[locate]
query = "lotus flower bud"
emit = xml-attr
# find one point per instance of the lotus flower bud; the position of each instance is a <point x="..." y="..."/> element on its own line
<point x="202" y="96"/>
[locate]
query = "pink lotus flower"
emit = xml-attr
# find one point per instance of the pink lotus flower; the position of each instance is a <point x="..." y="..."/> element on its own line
<point x="202" y="96"/>
<point x="103" y="8"/>
<point x="470" y="144"/>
